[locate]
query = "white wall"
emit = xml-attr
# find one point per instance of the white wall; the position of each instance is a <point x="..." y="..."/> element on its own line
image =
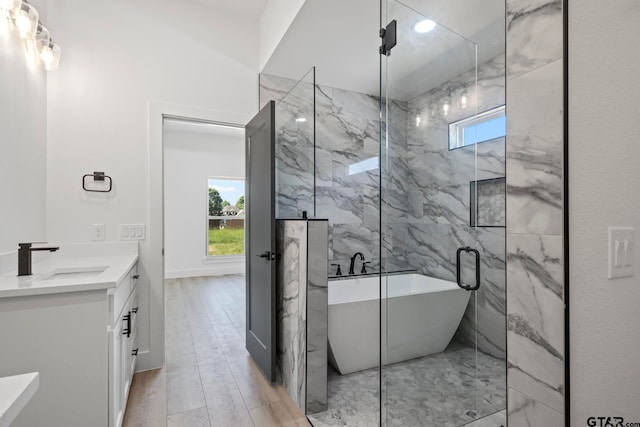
<point x="190" y="157"/>
<point x="604" y="190"/>
<point x="23" y="122"/>
<point x="118" y="58"/>
<point x="274" y="23"/>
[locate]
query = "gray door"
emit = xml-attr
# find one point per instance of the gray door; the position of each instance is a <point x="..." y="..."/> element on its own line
<point x="261" y="234"/>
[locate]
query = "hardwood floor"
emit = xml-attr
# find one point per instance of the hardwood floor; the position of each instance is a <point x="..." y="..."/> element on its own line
<point x="209" y="378"/>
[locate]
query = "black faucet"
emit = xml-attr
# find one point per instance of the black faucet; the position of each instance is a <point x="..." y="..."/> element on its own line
<point x="24" y="257"/>
<point x="338" y="272"/>
<point x="353" y="261"/>
<point x="364" y="267"/>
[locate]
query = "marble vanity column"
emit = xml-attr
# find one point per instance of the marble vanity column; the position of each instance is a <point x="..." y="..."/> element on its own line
<point x="534" y="152"/>
<point x="302" y="295"/>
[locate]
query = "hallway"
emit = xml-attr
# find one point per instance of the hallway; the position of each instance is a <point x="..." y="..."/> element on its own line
<point x="209" y="378"/>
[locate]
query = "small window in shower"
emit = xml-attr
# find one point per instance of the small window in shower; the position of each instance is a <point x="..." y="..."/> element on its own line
<point x="482" y="127"/>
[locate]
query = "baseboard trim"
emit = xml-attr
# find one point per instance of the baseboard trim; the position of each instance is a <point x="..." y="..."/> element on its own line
<point x="213" y="270"/>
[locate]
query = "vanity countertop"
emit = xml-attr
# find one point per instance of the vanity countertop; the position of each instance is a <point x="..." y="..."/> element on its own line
<point x="109" y="268"/>
<point x="15" y="393"/>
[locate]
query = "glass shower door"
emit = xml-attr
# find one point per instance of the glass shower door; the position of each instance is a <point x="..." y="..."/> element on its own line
<point x="437" y="256"/>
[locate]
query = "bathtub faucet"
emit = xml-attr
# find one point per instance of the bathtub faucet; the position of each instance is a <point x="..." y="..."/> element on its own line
<point x="353" y="261"/>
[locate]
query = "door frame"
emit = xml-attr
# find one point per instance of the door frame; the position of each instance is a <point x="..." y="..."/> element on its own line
<point x="153" y="356"/>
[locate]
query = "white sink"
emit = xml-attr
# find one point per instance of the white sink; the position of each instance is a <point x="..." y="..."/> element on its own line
<point x="73" y="273"/>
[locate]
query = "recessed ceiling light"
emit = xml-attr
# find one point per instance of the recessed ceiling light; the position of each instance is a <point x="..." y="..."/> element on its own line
<point x="301" y="120"/>
<point x="424" y="26"/>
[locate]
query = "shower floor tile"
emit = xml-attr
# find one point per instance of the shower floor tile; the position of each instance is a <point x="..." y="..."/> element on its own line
<point x="443" y="390"/>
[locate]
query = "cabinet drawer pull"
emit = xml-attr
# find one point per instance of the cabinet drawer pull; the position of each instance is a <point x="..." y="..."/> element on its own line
<point x="134" y="310"/>
<point x="136" y="276"/>
<point x="134" y="352"/>
<point x="127" y="330"/>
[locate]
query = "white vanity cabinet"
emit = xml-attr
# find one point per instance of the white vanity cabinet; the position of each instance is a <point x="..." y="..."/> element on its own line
<point x="123" y="346"/>
<point x="80" y="335"/>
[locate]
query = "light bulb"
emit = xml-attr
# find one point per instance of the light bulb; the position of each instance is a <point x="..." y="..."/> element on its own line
<point x="424" y="26"/>
<point x="463" y="101"/>
<point x="417" y="121"/>
<point x="445" y="108"/>
<point x="46" y="55"/>
<point x="301" y="120"/>
<point x="9" y="5"/>
<point x="25" y="21"/>
<point x="49" y="57"/>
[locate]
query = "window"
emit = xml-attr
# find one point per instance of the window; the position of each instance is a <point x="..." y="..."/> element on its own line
<point x="483" y="127"/>
<point x="225" y="225"/>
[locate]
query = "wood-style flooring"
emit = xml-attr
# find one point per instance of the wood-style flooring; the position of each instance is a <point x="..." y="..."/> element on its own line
<point x="209" y="378"/>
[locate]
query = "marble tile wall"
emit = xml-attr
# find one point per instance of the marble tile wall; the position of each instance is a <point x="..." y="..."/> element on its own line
<point x="302" y="297"/>
<point x="317" y="317"/>
<point x="426" y="186"/>
<point x="438" y="189"/>
<point x="347" y="132"/>
<point x="535" y="298"/>
<point x="291" y="307"/>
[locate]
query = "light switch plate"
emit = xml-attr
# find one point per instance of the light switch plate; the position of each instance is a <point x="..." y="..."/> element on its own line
<point x="133" y="232"/>
<point x="621" y="252"/>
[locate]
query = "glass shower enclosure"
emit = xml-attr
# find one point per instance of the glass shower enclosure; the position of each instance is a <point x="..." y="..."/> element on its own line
<point x="442" y="217"/>
<point x="407" y="164"/>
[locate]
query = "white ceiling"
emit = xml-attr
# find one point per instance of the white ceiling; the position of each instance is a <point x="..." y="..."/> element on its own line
<point x="340" y="38"/>
<point x="250" y="8"/>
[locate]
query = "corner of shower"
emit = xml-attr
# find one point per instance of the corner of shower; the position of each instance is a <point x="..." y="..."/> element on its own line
<point x="410" y="339"/>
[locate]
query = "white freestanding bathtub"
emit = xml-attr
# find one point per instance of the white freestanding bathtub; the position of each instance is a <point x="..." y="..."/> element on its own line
<point x="414" y="314"/>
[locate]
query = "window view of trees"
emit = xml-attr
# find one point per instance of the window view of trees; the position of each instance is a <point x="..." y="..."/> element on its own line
<point x="226" y="236"/>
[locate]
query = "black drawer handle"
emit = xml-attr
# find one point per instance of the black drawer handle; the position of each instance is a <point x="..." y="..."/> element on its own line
<point x="136" y="276"/>
<point x="134" y="310"/>
<point x="134" y="352"/>
<point x="127" y="330"/>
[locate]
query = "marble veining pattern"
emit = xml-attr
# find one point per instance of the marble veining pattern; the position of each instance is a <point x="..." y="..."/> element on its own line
<point x="534" y="157"/>
<point x="291" y="308"/>
<point x="535" y="267"/>
<point x="536" y="318"/>
<point x="438" y="390"/>
<point x="438" y="197"/>
<point x="525" y="411"/>
<point x="534" y="34"/>
<point x="317" y="317"/>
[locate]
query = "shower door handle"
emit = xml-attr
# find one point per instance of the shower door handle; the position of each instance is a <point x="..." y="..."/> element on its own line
<point x="268" y="255"/>
<point x="458" y="275"/>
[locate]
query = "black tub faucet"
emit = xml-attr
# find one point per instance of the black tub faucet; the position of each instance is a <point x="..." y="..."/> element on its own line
<point x="24" y="257"/>
<point x="353" y="261"/>
<point x="364" y="267"/>
<point x="338" y="272"/>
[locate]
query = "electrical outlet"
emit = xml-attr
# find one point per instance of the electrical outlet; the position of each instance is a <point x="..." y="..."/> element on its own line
<point x="98" y="232"/>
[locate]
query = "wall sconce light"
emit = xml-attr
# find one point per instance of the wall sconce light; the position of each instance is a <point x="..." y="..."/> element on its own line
<point x="24" y="19"/>
<point x="49" y="54"/>
<point x="9" y="6"/>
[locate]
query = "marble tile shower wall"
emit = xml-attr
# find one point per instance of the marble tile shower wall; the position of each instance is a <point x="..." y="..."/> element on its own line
<point x="438" y="191"/>
<point x="347" y="133"/>
<point x="426" y="186"/>
<point x="295" y="150"/>
<point x="535" y="300"/>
